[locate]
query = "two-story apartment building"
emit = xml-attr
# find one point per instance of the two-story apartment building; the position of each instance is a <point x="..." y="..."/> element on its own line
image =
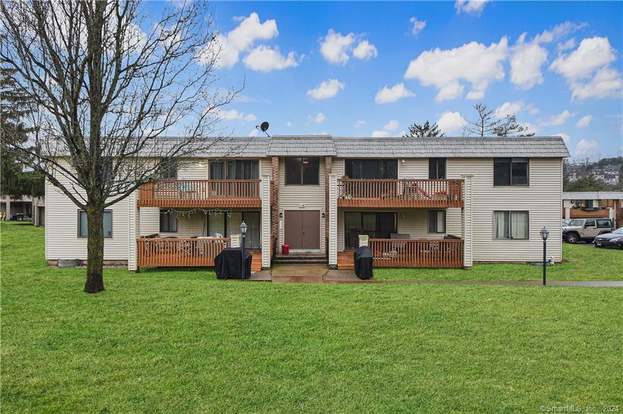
<point x="432" y="202"/>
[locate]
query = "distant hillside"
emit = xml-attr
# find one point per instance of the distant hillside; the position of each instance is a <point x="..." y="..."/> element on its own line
<point x="603" y="175"/>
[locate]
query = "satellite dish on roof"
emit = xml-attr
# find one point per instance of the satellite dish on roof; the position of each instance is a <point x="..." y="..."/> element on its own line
<point x="263" y="127"/>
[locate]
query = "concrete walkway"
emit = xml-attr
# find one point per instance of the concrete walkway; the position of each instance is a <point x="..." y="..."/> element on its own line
<point x="589" y="283"/>
<point x="307" y="273"/>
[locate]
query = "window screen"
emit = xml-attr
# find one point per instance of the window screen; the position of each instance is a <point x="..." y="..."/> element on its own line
<point x="510" y="171"/>
<point x="511" y="225"/>
<point x="168" y="221"/>
<point x="302" y="171"/>
<point x="437" y="221"/>
<point x="437" y="168"/>
<point x="83" y="225"/>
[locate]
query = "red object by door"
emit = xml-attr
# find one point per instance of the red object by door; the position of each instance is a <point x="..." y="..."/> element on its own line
<point x="285" y="249"/>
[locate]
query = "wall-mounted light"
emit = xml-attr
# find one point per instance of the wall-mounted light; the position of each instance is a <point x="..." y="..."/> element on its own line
<point x="281" y="214"/>
<point x="322" y="215"/>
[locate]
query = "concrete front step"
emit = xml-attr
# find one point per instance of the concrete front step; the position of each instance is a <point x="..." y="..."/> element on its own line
<point x="300" y="259"/>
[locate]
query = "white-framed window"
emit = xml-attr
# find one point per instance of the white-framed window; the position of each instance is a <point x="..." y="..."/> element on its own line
<point x="511" y="225"/>
<point x="436" y="221"/>
<point x="168" y="221"/>
<point x="83" y="224"/>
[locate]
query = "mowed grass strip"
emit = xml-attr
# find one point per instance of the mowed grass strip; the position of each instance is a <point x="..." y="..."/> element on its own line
<point x="181" y="341"/>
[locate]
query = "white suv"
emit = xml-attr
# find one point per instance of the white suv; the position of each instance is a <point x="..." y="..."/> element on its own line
<point x="585" y="229"/>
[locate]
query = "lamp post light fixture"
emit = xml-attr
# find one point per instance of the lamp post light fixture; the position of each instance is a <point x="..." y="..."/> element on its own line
<point x="243" y="232"/>
<point x="544" y="234"/>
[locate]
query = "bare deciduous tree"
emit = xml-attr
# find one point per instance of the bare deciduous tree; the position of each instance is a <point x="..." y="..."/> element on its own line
<point x="488" y="124"/>
<point x="106" y="93"/>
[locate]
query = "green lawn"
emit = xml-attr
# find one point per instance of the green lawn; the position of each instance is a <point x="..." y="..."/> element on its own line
<point x="580" y="262"/>
<point x="173" y="342"/>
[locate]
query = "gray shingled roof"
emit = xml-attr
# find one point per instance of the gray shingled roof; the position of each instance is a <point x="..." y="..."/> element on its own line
<point x="450" y="147"/>
<point x="313" y="145"/>
<point x="370" y="147"/>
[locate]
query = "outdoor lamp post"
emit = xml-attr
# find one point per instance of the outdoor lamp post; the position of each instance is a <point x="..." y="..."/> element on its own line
<point x="544" y="234"/>
<point x="243" y="231"/>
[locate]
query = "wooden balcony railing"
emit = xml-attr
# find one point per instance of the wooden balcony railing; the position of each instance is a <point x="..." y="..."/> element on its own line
<point x="417" y="253"/>
<point x="201" y="193"/>
<point x="179" y="252"/>
<point x="400" y="193"/>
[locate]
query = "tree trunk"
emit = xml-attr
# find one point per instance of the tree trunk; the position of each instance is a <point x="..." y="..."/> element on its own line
<point x="95" y="250"/>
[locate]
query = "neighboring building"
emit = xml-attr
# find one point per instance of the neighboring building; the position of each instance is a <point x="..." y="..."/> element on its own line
<point x="594" y="204"/>
<point x="433" y="202"/>
<point x="23" y="208"/>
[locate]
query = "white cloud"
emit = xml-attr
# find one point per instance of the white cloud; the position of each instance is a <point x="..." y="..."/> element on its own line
<point x="319" y="118"/>
<point x="234" y="115"/>
<point x="584" y="121"/>
<point x="526" y="62"/>
<point x="586" y="148"/>
<point x="365" y="50"/>
<point x="473" y="62"/>
<point x="567" y="44"/>
<point x="241" y="38"/>
<point x="470" y="6"/>
<point x="266" y="59"/>
<point x="417" y="25"/>
<point x="391" y="125"/>
<point x="327" y="89"/>
<point x="587" y="70"/>
<point x="380" y="133"/>
<point x="558" y="119"/>
<point x="593" y="53"/>
<point x="359" y="123"/>
<point x="335" y="47"/>
<point x="391" y="94"/>
<point x="559" y="31"/>
<point x="509" y="108"/>
<point x="250" y="30"/>
<point x="607" y="82"/>
<point x="450" y="122"/>
<point x="532" y="110"/>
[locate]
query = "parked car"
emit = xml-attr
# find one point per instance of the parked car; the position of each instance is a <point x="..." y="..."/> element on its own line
<point x="585" y="229"/>
<point x="614" y="239"/>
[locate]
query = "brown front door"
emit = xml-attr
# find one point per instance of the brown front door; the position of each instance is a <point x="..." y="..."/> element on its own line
<point x="302" y="229"/>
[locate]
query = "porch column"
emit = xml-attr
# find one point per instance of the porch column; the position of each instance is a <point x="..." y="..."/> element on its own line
<point x="328" y="167"/>
<point x="467" y="221"/>
<point x="567" y="204"/>
<point x="274" y="203"/>
<point x="332" y="213"/>
<point x="265" y="220"/>
<point x="8" y="208"/>
<point x="133" y="231"/>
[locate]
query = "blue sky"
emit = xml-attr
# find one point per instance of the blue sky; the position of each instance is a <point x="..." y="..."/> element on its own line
<point x="322" y="67"/>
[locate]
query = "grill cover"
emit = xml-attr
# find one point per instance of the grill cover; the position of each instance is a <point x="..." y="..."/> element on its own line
<point x="228" y="264"/>
<point x="363" y="262"/>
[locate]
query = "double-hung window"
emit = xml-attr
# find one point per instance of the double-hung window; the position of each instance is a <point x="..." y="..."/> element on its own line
<point x="234" y="170"/>
<point x="436" y="221"/>
<point x="510" y="171"/>
<point x="167" y="169"/>
<point x="437" y="168"/>
<point x="83" y="224"/>
<point x="168" y="221"/>
<point x="302" y="171"/>
<point x="510" y="225"/>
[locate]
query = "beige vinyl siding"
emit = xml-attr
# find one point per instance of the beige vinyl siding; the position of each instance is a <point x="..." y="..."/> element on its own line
<point x="194" y="169"/>
<point x="302" y="197"/>
<point x="541" y="199"/>
<point x="61" y="230"/>
<point x="413" y="168"/>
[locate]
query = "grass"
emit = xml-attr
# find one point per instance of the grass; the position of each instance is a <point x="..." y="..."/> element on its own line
<point x="162" y="342"/>
<point x="580" y="262"/>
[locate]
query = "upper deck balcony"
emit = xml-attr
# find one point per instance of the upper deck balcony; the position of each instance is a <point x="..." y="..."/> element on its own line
<point x="400" y="193"/>
<point x="200" y="194"/>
